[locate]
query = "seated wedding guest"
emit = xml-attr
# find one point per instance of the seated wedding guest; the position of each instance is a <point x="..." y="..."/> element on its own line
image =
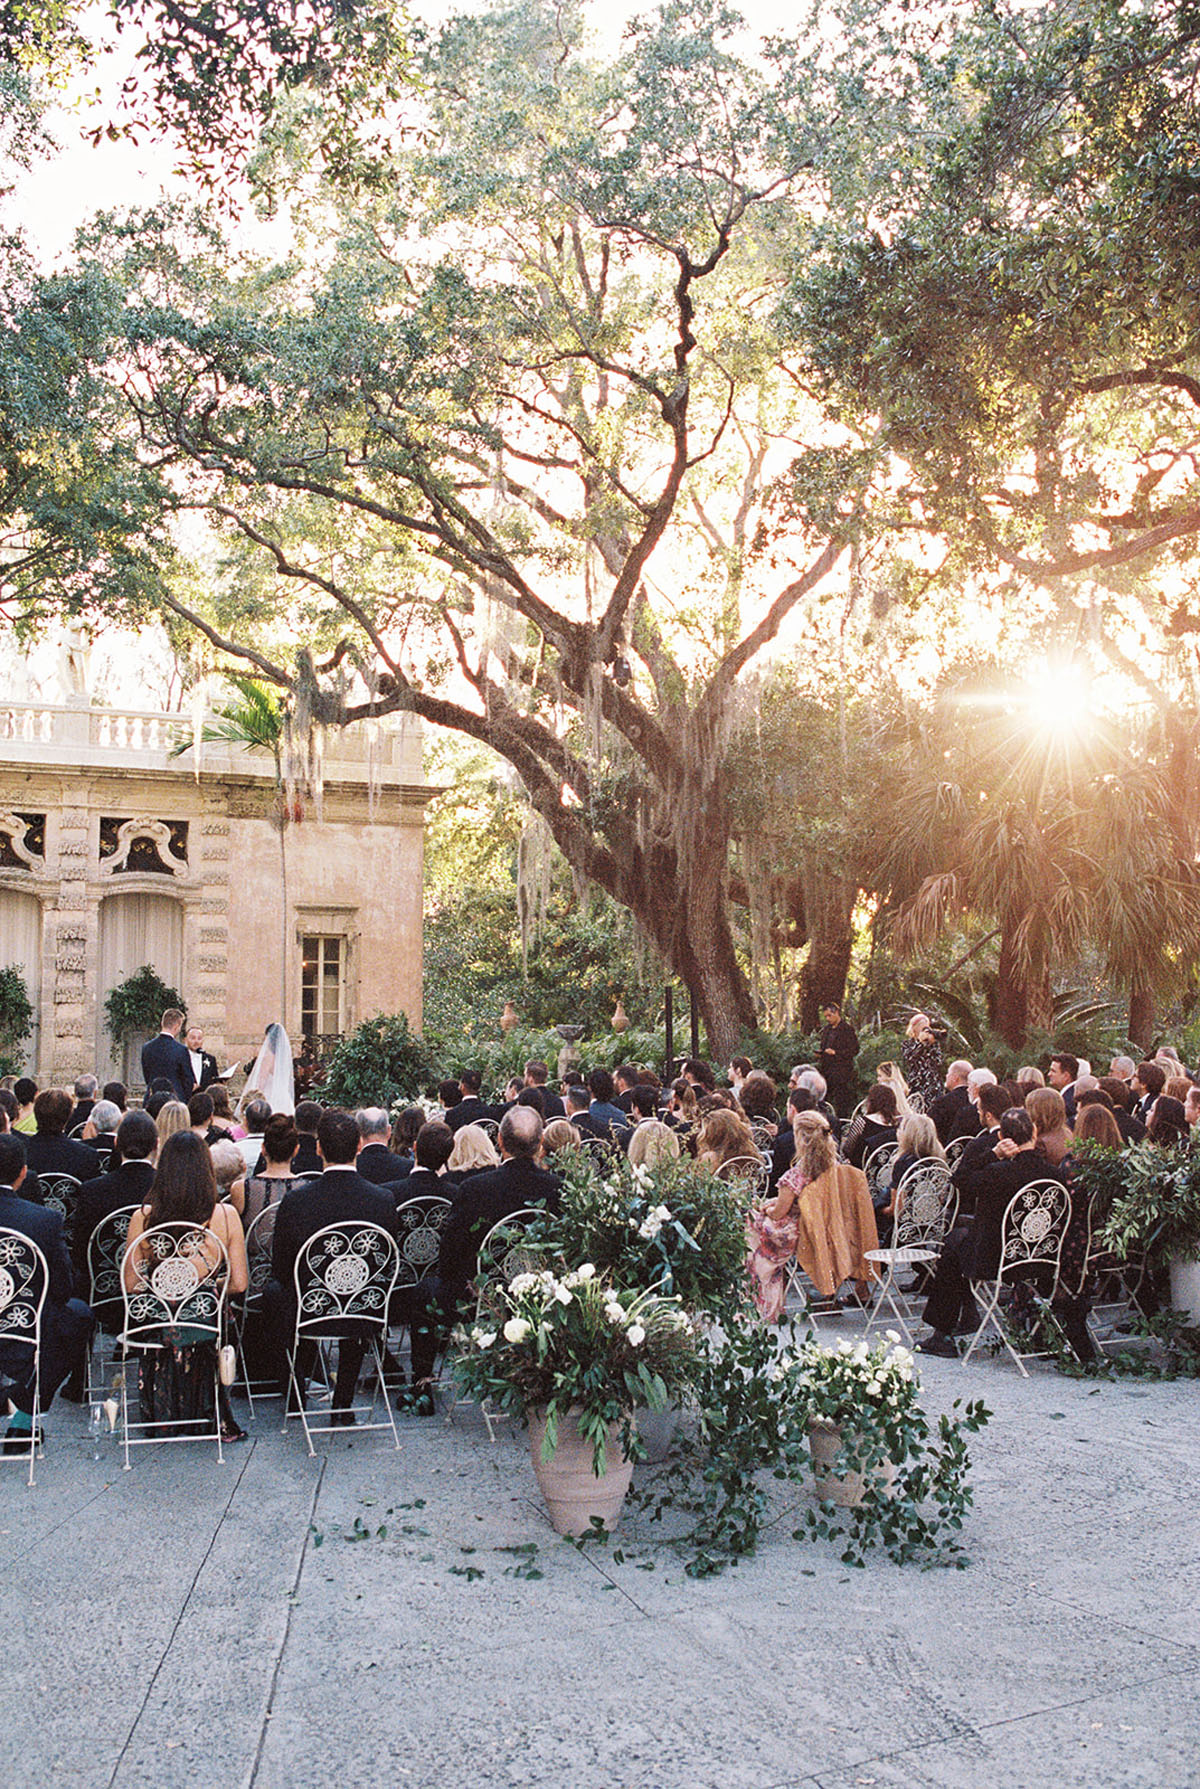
<point x="537" y="1074"/>
<point x="255" y="1114"/>
<point x="176" y="1378"/>
<point x="1028" y="1078"/>
<point x="772" y="1228"/>
<point x="200" y="1113"/>
<point x="1132" y="1129"/>
<point x="1177" y="1087"/>
<point x="577" y="1103"/>
<point x="700" y="1074"/>
<point x="308" y="1117"/>
<point x="1168" y="1123"/>
<point x="652" y="1142"/>
<point x="469" y="1108"/>
<point x="222" y="1113"/>
<point x="404" y="1132"/>
<point x="642" y="1109"/>
<point x="916" y="1141"/>
<point x="1051" y="1131"/>
<point x="278" y="1170"/>
<point x="474" y="1150"/>
<point x="993" y="1103"/>
<point x="874" y="1127"/>
<point x="723" y="1137"/>
<point x="604" y="1113"/>
<point x="431" y="1152"/>
<point x="624" y="1082"/>
<point x="1148" y="1081"/>
<point x="159" y="1093"/>
<point x="117" y="1092"/>
<point x="759" y="1098"/>
<point x="559" y="1134"/>
<point x="953" y="1101"/>
<point x="229" y="1171"/>
<point x="480" y="1202"/>
<point x="66" y="1320"/>
<point x="172" y="1118"/>
<point x="833" y="1224"/>
<point x="8" y="1108"/>
<point x="100" y="1131"/>
<point x="888" y="1075"/>
<point x="376" y="1162"/>
<point x="126" y="1184"/>
<point x="968" y="1122"/>
<point x="49" y="1151"/>
<point x="972" y="1250"/>
<point x="25" y="1092"/>
<point x="799" y="1099"/>
<point x="339" y="1195"/>
<point x="682" y="1113"/>
<point x="86" y="1088"/>
<point x="1191" y="1106"/>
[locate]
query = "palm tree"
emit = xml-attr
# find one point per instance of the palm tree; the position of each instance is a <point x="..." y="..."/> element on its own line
<point x="257" y="720"/>
<point x="1056" y="835"/>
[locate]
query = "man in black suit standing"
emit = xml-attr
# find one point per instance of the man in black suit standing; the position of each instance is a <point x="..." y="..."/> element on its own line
<point x="836" y="1051"/>
<point x="376" y="1162"/>
<point x="165" y="1056"/>
<point x="340" y="1195"/>
<point x="480" y="1202"/>
<point x="204" y="1064"/>
<point x="66" y="1321"/>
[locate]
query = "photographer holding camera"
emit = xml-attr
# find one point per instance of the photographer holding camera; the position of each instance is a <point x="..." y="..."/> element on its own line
<point x="921" y="1058"/>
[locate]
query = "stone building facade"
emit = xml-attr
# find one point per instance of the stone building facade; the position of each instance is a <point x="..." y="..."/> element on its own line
<point x="115" y="853"/>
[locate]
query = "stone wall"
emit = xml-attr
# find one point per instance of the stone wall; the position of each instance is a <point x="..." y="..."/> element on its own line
<point x="94" y="810"/>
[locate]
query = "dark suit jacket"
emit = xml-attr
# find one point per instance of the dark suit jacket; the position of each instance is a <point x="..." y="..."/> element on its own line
<point x="468" y="1111"/>
<point x="62" y="1155"/>
<point x="126" y="1185"/>
<point x="164" y="1055"/>
<point x="977" y="1154"/>
<point x="947" y="1109"/>
<point x="842" y="1039"/>
<point x="377" y="1164"/>
<point x="339" y="1196"/>
<point x="306" y="1159"/>
<point x="991" y="1186"/>
<point x="46" y="1229"/>
<point x="481" y="1202"/>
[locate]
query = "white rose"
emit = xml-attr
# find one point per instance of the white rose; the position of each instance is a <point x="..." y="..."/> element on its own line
<point x="562" y="1294"/>
<point x="860" y="1352"/>
<point x="516" y="1329"/>
<point x="522" y="1283"/>
<point x="615" y="1313"/>
<point x="586" y="1272"/>
<point x="635" y="1335"/>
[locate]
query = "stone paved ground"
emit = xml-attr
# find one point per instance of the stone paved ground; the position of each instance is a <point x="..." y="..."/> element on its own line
<point x="189" y="1624"/>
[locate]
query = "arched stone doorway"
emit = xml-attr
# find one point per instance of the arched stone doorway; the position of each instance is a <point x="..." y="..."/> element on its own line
<point x="21" y="947"/>
<point x="135" y="929"/>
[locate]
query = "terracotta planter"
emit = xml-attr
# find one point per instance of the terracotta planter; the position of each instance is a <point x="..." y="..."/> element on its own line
<point x="1185" y="1288"/>
<point x="620" y="1019"/>
<point x="508" y="1018"/>
<point x="573" y="1493"/>
<point x="824" y="1441"/>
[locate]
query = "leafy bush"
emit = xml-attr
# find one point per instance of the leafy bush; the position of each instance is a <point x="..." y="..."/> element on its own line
<point x="138" y="1004"/>
<point x="16" y="1019"/>
<point x="1155" y="1211"/>
<point x="379" y="1063"/>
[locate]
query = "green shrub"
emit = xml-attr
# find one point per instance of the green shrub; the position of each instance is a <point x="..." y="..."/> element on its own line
<point x="379" y="1063"/>
<point x="138" y="1004"/>
<point x="16" y="1019"/>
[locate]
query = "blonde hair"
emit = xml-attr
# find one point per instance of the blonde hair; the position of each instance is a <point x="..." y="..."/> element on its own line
<point x="172" y="1118"/>
<point x="888" y="1075"/>
<point x="815" y="1153"/>
<point x="725" y="1134"/>
<point x="917" y="1024"/>
<point x="229" y="1164"/>
<point x="651" y="1143"/>
<point x="473" y="1148"/>
<point x="918" y="1136"/>
<point x="560" y="1133"/>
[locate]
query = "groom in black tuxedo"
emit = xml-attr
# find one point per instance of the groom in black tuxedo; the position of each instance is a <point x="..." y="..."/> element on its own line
<point x="165" y="1056"/>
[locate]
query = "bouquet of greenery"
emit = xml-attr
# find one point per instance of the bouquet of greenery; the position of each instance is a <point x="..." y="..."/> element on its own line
<point x="576" y="1341"/>
<point x="1155" y="1211"/>
<point x="870" y="1391"/>
<point x="670" y="1228"/>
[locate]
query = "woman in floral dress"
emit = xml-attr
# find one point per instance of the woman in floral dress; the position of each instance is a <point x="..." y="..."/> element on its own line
<point x="772" y="1230"/>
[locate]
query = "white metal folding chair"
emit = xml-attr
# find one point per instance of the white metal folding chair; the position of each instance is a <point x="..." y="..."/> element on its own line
<point x="24" y="1281"/>
<point x="764" y="1136"/>
<point x="105" y="1252"/>
<point x="1115" y="1312"/>
<point x="419" y="1224"/>
<point x="504" y="1252"/>
<point x="878" y="1169"/>
<point x="955" y="1150"/>
<point x="345" y="1275"/>
<point x="60" y="1192"/>
<point x="1031" y="1237"/>
<point x="926" y="1201"/>
<point x="490" y="1127"/>
<point x="749" y="1173"/>
<point x="179" y="1274"/>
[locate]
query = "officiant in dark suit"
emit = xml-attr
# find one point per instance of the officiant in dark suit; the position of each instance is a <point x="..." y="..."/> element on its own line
<point x="164" y="1056"/>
